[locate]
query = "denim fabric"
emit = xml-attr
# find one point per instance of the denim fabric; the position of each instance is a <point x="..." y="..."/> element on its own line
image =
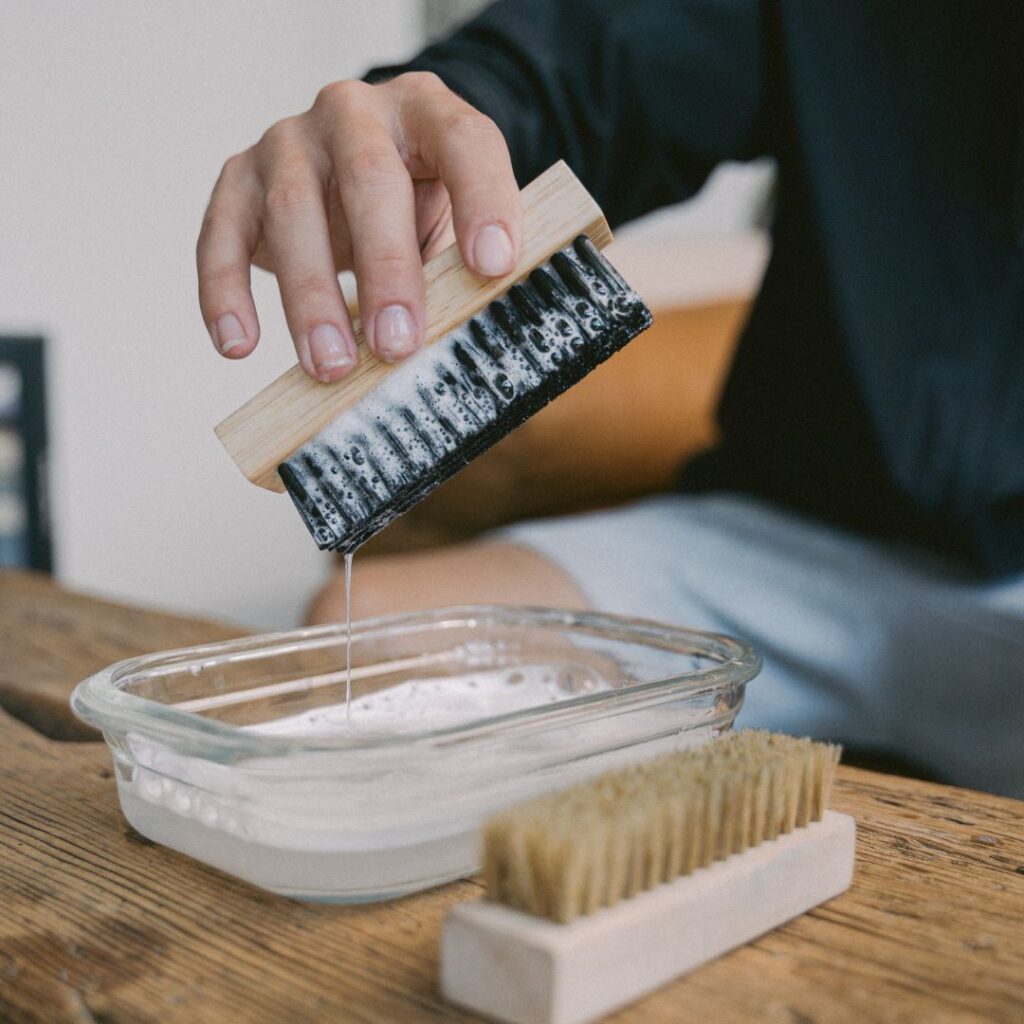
<point x="879" y="646"/>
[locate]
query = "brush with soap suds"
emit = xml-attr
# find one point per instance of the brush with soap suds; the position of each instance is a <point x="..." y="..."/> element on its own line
<point x="355" y="454"/>
<point x="601" y="893"/>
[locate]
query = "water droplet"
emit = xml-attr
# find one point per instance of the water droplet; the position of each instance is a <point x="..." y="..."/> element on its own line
<point x="505" y="386"/>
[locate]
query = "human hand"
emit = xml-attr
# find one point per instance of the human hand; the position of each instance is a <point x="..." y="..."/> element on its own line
<point x="374" y="179"/>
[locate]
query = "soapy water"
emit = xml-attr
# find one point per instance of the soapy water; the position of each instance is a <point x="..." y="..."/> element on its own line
<point x="380" y="821"/>
<point x="429" y="703"/>
<point x="370" y="824"/>
<point x="419" y="704"/>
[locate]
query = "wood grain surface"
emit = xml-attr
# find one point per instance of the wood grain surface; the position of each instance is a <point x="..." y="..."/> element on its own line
<point x="51" y="639"/>
<point x="101" y="927"/>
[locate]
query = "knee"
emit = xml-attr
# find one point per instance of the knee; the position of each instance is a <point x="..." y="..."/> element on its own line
<point x="478" y="573"/>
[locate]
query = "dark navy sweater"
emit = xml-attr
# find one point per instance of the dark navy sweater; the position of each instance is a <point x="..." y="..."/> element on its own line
<point x="879" y="384"/>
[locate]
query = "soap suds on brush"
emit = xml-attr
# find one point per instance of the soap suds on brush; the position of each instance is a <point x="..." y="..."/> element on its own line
<point x="452" y="400"/>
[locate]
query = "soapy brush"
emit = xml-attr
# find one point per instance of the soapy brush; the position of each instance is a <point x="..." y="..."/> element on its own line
<point x="355" y="454"/>
<point x="599" y="894"/>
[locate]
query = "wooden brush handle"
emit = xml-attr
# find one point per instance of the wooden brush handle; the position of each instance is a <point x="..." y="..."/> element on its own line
<point x="294" y="408"/>
<point x="509" y="966"/>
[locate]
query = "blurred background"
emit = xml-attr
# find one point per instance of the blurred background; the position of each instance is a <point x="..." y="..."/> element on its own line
<point x="115" y="118"/>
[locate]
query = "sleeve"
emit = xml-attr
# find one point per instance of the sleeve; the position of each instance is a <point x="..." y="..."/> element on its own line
<point x="641" y="98"/>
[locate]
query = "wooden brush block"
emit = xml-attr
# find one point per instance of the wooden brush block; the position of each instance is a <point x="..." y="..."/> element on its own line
<point x="286" y="414"/>
<point x="525" y="970"/>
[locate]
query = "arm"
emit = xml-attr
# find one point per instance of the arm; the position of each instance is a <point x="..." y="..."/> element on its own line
<point x="642" y="99"/>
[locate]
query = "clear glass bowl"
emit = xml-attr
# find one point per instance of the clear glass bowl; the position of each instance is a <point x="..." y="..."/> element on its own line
<point x="243" y="754"/>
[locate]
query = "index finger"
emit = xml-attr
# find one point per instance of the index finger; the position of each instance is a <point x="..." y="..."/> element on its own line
<point x="467" y="151"/>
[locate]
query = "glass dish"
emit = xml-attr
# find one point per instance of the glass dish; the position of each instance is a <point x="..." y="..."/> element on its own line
<point x="243" y="754"/>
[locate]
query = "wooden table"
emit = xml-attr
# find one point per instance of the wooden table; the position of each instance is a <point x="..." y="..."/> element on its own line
<point x="99" y="926"/>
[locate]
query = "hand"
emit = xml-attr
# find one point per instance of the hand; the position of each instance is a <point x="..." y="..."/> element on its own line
<point x="372" y="178"/>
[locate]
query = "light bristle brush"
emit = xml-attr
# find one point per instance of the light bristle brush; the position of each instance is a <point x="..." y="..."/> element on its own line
<point x="601" y="893"/>
<point x="355" y="454"/>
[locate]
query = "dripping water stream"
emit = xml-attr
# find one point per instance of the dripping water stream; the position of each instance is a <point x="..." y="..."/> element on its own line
<point x="348" y="638"/>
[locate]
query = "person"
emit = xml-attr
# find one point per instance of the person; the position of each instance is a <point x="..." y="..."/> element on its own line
<point x="862" y="519"/>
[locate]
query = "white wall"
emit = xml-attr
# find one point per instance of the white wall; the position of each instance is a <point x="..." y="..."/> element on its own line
<point x="115" y="116"/>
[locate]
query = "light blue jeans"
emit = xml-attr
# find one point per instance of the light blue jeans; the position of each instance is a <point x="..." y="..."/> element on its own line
<point x="880" y="647"/>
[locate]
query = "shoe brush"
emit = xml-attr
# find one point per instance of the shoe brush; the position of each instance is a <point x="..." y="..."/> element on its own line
<point x="603" y="892"/>
<point x="357" y="453"/>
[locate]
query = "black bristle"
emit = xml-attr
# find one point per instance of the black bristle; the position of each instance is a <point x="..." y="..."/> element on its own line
<point x="525" y="301"/>
<point x="397" y="446"/>
<point x="483" y="341"/>
<point x="293" y="483"/>
<point x="567" y="271"/>
<point x="439" y="410"/>
<point x="547" y="285"/>
<point x="589" y="253"/>
<point x="420" y="435"/>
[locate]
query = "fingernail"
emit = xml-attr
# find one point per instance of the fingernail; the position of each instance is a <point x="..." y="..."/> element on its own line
<point x="492" y="250"/>
<point x="330" y="350"/>
<point x="228" y="333"/>
<point x="394" y="333"/>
